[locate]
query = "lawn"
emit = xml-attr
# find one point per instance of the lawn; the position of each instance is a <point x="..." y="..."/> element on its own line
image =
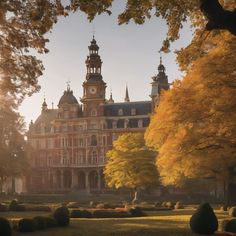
<point x="170" y="223"/>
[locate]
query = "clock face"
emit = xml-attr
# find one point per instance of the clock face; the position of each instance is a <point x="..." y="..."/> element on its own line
<point x="92" y="90"/>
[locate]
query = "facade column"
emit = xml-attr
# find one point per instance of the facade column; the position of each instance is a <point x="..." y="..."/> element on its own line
<point x="74" y="181"/>
<point x="87" y="186"/>
<point x="99" y="180"/>
<point x="62" y="182"/>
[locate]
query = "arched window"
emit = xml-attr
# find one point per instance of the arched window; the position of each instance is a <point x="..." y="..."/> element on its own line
<point x="93" y="140"/>
<point x="120" y="112"/>
<point x="126" y="123"/>
<point x="114" y="124"/>
<point x="94" y="157"/>
<point x="140" y="123"/>
<point x="94" y="112"/>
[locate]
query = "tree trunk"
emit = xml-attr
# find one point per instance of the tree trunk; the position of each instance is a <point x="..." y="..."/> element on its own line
<point x="226" y="192"/>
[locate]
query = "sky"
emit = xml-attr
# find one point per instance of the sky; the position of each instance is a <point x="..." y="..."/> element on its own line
<point x="130" y="55"/>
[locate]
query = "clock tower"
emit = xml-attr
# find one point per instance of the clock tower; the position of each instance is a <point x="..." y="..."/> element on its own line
<point x="94" y="88"/>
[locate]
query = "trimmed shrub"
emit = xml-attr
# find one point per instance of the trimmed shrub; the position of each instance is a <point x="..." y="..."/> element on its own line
<point x="16" y="206"/>
<point x="204" y="221"/>
<point x="73" y="205"/>
<point x="50" y="222"/>
<point x="179" y="205"/>
<point x="230" y="226"/>
<point x="170" y="205"/>
<point x="224" y="208"/>
<point x="40" y="222"/>
<point x="157" y="204"/>
<point x="3" y="207"/>
<point x="136" y="212"/>
<point x="232" y="211"/>
<point x="92" y="204"/>
<point x="5" y="227"/>
<point x="80" y="214"/>
<point x="103" y="205"/>
<point x="62" y="216"/>
<point x="110" y="214"/>
<point x="163" y="204"/>
<point x="26" y="225"/>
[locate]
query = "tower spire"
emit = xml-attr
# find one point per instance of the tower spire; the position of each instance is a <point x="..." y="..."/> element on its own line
<point x="127" y="94"/>
<point x="111" y="100"/>
<point x="44" y="105"/>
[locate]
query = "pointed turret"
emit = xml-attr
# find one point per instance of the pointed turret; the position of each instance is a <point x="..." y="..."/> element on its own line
<point x="111" y="100"/>
<point x="44" y="105"/>
<point x="127" y="95"/>
<point x="159" y="83"/>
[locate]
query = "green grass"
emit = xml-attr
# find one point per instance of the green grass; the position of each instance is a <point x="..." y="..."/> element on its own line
<point x="170" y="223"/>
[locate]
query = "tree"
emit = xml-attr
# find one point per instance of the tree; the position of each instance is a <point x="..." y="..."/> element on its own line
<point x="24" y="25"/>
<point x="13" y="161"/>
<point x="131" y="164"/>
<point x="194" y="126"/>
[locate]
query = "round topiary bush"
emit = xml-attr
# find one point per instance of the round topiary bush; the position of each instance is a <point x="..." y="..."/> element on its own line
<point x="26" y="225"/>
<point x="230" y="226"/>
<point x="204" y="221"/>
<point x="170" y="205"/>
<point x="232" y="211"/>
<point x="50" y="222"/>
<point x="136" y="211"/>
<point x="16" y="206"/>
<point x="224" y="208"/>
<point x="62" y="216"/>
<point x="5" y="227"/>
<point x="179" y="205"/>
<point x="40" y="222"/>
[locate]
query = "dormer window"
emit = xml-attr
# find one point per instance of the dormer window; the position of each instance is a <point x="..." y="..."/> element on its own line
<point x="120" y="112"/>
<point x="133" y="112"/>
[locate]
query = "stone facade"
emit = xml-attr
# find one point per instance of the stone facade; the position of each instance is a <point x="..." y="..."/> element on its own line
<point x="70" y="142"/>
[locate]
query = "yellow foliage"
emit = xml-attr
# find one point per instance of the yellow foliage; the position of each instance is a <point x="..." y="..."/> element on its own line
<point x="194" y="127"/>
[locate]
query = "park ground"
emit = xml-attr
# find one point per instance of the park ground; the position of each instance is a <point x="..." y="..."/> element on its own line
<point x="159" y="223"/>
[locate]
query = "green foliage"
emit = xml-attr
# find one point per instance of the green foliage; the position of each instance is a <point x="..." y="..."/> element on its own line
<point x="26" y="225"/>
<point x="40" y="222"/>
<point x="204" y="221"/>
<point x="110" y="214"/>
<point x="232" y="211"/>
<point x="5" y="227"/>
<point x="62" y="216"/>
<point x="80" y="214"/>
<point x="130" y="163"/>
<point x="230" y="226"/>
<point x="136" y="212"/>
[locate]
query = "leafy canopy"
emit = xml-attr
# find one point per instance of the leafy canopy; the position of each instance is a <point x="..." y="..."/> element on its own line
<point x="130" y="163"/>
<point x="194" y="126"/>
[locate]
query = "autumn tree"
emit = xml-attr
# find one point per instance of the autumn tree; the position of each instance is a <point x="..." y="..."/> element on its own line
<point x="194" y="126"/>
<point x="13" y="161"/>
<point x="131" y="164"/>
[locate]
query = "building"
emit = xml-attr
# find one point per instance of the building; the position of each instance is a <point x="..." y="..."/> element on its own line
<point x="70" y="142"/>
